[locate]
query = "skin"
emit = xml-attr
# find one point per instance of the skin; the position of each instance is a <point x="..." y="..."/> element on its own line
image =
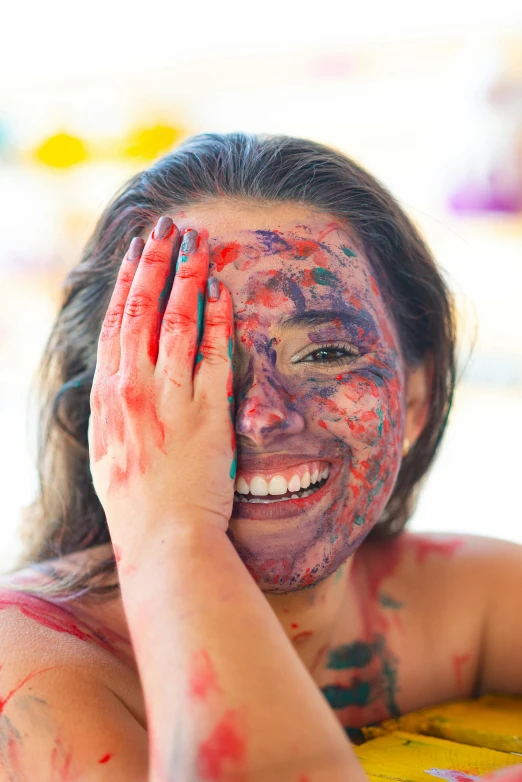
<point x="341" y="606"/>
<point x="277" y="262"/>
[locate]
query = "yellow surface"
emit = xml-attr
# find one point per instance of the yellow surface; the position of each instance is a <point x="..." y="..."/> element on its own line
<point x="492" y="721"/>
<point x="415" y="758"/>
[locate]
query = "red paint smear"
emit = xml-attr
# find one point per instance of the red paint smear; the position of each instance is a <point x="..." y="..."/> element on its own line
<point x="106" y="758"/>
<point x="267" y="292"/>
<point x="329" y="228"/>
<point x="61" y="760"/>
<point x="304" y="778"/>
<point x="458" y="662"/>
<point x="202" y="676"/>
<point x="322" y="423"/>
<point x="513" y="774"/>
<point x="375" y="289"/>
<point x="378" y="564"/>
<point x="248" y="326"/>
<point x="294" y="626"/>
<point x="48" y="615"/>
<point x="306" y="279"/>
<point x="425" y="546"/>
<point x="303" y="635"/>
<point x="225" y="254"/>
<point x="29" y="676"/>
<point x="224" y="743"/>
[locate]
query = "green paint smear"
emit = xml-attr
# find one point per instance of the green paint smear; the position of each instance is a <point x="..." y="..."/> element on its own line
<point x="341" y="697"/>
<point x="233" y="467"/>
<point x="348" y="251"/>
<point x="201" y="307"/>
<point x="359" y="521"/>
<point x="355" y="655"/>
<point x="230" y="348"/>
<point x="381" y="419"/>
<point x="390" y="675"/>
<point x="199" y="358"/>
<point x="376" y="489"/>
<point x="324" y="277"/>
<point x="389" y="602"/>
<point x="182" y="258"/>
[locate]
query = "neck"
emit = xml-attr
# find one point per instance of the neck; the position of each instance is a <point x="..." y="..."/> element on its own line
<point x="313" y="617"/>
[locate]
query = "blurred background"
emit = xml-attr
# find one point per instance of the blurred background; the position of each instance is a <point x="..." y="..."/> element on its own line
<point x="430" y="106"/>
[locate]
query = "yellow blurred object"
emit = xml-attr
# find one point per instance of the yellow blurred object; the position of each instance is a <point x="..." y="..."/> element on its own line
<point x="454" y="741"/>
<point x="408" y="757"/>
<point x="492" y="721"/>
<point x="147" y="143"/>
<point x="61" y="151"/>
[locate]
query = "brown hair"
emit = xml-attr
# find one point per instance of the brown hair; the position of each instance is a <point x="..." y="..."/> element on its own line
<point x="67" y="515"/>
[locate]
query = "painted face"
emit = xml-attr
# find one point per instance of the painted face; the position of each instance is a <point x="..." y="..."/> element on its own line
<point x="319" y="387"/>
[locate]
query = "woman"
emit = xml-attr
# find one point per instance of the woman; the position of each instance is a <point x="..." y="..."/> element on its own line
<point x="249" y="377"/>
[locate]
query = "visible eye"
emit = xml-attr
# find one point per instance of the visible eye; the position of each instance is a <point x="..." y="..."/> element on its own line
<point x="332" y="354"/>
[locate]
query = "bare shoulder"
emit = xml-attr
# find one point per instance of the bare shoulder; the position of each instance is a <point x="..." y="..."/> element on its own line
<point x="61" y="715"/>
<point x="439" y="587"/>
<point x="92" y="640"/>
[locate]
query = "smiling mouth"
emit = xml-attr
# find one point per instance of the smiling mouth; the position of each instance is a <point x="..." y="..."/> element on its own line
<point x="301" y="494"/>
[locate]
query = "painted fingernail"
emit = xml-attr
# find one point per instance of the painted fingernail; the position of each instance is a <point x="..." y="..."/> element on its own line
<point x="189" y="243"/>
<point x="163" y="228"/>
<point x="213" y="288"/>
<point x="135" y="248"/>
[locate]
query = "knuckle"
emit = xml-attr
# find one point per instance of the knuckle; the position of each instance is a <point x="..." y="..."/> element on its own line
<point x="113" y="318"/>
<point x="217" y="319"/>
<point x="175" y="321"/>
<point x="212" y="351"/>
<point x="138" y="304"/>
<point x="128" y="389"/>
<point x="187" y="272"/>
<point x="152" y="257"/>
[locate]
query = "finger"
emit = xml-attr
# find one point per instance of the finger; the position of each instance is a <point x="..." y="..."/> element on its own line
<point x="182" y="322"/>
<point x="109" y="354"/>
<point x="213" y="372"/>
<point x="146" y="300"/>
<point x="213" y="375"/>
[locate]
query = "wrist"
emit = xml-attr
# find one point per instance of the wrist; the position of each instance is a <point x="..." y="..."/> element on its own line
<point x="177" y="536"/>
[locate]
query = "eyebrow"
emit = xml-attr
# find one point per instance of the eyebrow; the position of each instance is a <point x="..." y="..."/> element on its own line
<point x="320" y="317"/>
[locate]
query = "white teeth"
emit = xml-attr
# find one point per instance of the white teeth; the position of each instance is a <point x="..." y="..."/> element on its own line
<point x="294" y="484"/>
<point x="277" y="485"/>
<point x="242" y="486"/>
<point x="258" y="486"/>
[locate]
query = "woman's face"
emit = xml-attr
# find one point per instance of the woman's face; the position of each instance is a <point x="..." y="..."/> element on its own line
<point x="319" y="383"/>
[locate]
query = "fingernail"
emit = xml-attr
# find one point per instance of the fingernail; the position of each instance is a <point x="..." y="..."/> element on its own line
<point x="163" y="228"/>
<point x="190" y="240"/>
<point x="213" y="288"/>
<point x="135" y="248"/>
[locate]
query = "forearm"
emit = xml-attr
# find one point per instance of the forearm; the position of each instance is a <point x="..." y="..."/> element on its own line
<point x="225" y="692"/>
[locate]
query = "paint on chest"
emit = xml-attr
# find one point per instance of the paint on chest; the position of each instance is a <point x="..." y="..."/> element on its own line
<point x="362" y="682"/>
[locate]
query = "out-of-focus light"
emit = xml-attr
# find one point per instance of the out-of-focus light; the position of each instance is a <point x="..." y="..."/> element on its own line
<point x="147" y="143"/>
<point x="61" y="151"/>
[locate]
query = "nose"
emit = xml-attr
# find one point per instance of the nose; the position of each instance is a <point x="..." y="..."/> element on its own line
<point x="265" y="413"/>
